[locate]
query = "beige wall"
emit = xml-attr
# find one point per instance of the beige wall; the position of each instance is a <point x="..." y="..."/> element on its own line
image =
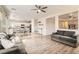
<point x="50" y="25"/>
<point x="34" y="25"/>
<point x="3" y="23"/>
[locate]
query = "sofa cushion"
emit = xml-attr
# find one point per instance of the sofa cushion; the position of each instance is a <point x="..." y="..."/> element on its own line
<point x="64" y="38"/>
<point x="60" y="32"/>
<point x="69" y="39"/>
<point x="56" y="36"/>
<point x="8" y="36"/>
<point x="69" y="33"/>
<point x="7" y="43"/>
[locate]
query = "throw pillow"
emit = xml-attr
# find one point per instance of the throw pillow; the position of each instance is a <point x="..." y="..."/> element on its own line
<point x="6" y="43"/>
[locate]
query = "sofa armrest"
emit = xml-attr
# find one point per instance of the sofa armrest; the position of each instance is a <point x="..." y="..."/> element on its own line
<point x="5" y="51"/>
<point x="75" y="37"/>
<point x="54" y="33"/>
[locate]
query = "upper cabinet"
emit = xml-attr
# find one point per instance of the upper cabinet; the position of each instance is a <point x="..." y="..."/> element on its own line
<point x="69" y="21"/>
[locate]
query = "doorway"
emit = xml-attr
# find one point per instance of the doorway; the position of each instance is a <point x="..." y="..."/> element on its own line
<point x="50" y="25"/>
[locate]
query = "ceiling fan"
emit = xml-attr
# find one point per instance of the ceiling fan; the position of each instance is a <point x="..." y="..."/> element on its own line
<point x="40" y="8"/>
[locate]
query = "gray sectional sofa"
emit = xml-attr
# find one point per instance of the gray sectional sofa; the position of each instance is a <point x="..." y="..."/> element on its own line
<point x="17" y="49"/>
<point x="66" y="37"/>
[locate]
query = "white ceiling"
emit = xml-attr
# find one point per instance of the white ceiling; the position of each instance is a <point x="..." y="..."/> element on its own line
<point x="24" y="12"/>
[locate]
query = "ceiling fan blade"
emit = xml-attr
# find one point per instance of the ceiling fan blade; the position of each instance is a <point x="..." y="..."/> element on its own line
<point x="36" y="6"/>
<point x="33" y="9"/>
<point x="39" y="7"/>
<point x="43" y="11"/>
<point x="37" y="12"/>
<point x="44" y="7"/>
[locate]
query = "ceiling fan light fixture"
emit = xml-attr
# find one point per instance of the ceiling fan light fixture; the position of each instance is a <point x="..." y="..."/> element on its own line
<point x="39" y="10"/>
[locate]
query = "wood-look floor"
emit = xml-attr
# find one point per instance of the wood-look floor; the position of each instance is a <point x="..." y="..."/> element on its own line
<point x="37" y="44"/>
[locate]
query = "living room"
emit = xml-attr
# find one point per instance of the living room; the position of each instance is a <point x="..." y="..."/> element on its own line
<point x="39" y="29"/>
